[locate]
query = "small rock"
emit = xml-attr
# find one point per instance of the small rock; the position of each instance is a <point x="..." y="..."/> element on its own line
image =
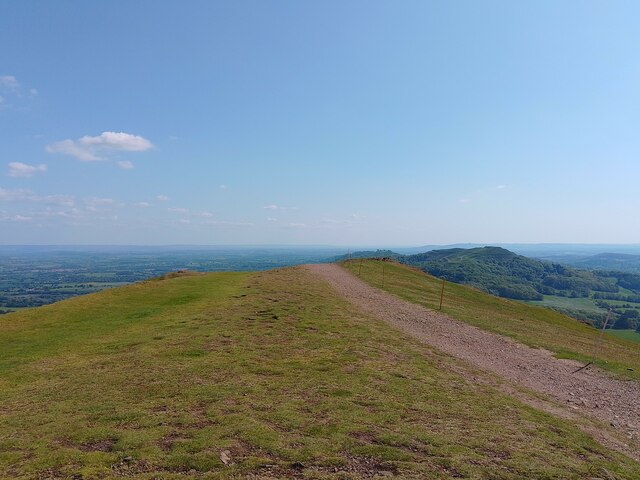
<point x="225" y="457"/>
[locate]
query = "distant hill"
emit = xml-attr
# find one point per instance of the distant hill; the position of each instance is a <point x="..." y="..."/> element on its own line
<point x="621" y="262"/>
<point x="367" y="254"/>
<point x="503" y="273"/>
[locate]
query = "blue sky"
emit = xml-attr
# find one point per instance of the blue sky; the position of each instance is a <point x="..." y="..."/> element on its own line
<point x="333" y="122"/>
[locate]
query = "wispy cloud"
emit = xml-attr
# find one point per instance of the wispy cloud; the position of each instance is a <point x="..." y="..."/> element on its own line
<point x="61" y="200"/>
<point x="15" y="218"/>
<point x="162" y="198"/>
<point x="19" y="169"/>
<point x="12" y="91"/>
<point x="202" y="214"/>
<point x="177" y="210"/>
<point x="22" y="195"/>
<point x="278" y="207"/>
<point x="125" y="164"/>
<point x="142" y="204"/>
<point x="91" y="149"/>
<point x="15" y="195"/>
<point x="228" y="223"/>
<point x="9" y="81"/>
<point x="96" y="201"/>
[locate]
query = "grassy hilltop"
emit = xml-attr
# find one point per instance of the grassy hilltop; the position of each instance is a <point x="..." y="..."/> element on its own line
<point x="268" y="374"/>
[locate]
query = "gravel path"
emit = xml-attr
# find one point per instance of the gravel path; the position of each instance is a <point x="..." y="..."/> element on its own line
<point x="590" y="391"/>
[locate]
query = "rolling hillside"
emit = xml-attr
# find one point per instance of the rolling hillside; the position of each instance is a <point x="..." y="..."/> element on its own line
<point x="622" y="262"/>
<point x="269" y="374"/>
<point x="505" y="274"/>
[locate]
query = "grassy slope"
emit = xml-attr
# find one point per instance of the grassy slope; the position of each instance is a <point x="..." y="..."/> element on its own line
<point x="154" y="380"/>
<point x="535" y="326"/>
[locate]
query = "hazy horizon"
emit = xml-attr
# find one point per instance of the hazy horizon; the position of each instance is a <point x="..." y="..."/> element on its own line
<point x="297" y="123"/>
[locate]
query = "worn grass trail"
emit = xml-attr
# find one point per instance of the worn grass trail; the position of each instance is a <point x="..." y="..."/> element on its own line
<point x="269" y="374"/>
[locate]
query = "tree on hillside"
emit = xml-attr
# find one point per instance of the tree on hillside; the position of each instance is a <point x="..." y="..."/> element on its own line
<point x="627" y="320"/>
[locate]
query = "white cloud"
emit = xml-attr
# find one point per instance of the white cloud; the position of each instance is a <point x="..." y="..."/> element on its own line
<point x="271" y="219"/>
<point x="125" y="164"/>
<point x="60" y="200"/>
<point x="90" y="149"/>
<point x="223" y="187"/>
<point x="15" y="195"/>
<point x="184" y="221"/>
<point x="117" y="141"/>
<point x="93" y="202"/>
<point x="278" y="207"/>
<point x="143" y="204"/>
<point x="296" y="225"/>
<point x="69" y="147"/>
<point x="202" y="214"/>
<point x="9" y="81"/>
<point x="13" y="91"/>
<point x="162" y="198"/>
<point x="177" y="210"/>
<point x="21" y="195"/>
<point x="229" y="224"/>
<point x="19" y="169"/>
<point x="14" y="218"/>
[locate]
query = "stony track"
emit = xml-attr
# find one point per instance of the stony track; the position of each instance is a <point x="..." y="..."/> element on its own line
<point x="590" y="392"/>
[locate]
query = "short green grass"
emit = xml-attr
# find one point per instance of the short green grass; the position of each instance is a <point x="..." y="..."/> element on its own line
<point x="631" y="335"/>
<point x="586" y="304"/>
<point x="158" y="379"/>
<point x="534" y="326"/>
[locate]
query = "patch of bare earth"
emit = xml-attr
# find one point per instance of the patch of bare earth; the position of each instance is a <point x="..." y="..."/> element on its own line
<point x="606" y="407"/>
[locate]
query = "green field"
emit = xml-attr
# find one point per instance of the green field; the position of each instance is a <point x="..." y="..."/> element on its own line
<point x="581" y="303"/>
<point x="534" y="326"/>
<point x="268" y="374"/>
<point x="630" y="335"/>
